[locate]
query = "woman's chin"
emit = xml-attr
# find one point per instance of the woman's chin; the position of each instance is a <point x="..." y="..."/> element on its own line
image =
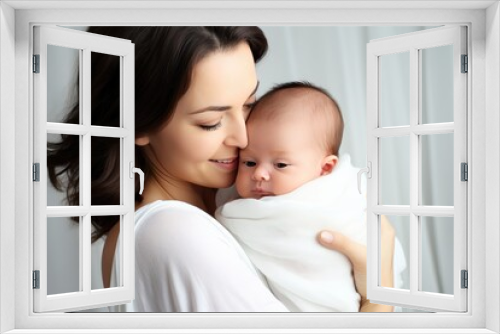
<point x="222" y="181"/>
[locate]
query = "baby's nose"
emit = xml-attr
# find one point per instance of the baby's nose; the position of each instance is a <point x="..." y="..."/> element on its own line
<point x="261" y="174"/>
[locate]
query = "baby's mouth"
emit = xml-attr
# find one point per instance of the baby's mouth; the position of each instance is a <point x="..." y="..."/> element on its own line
<point x="261" y="192"/>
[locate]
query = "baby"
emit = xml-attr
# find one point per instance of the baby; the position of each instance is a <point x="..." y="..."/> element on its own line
<point x="294" y="135"/>
<point x="293" y="185"/>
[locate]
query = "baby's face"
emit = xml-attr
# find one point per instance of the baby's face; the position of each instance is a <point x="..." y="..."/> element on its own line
<point x="281" y="155"/>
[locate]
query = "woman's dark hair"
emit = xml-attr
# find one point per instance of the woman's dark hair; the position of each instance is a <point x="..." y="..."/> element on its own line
<point x="164" y="62"/>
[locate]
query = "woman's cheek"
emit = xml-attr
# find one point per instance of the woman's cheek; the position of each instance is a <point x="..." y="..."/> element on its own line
<point x="201" y="145"/>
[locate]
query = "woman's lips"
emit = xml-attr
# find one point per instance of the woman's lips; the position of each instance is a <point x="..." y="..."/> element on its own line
<point x="228" y="164"/>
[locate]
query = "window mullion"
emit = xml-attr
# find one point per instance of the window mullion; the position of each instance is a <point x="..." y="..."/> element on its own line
<point x="85" y="236"/>
<point x="127" y="145"/>
<point x="415" y="265"/>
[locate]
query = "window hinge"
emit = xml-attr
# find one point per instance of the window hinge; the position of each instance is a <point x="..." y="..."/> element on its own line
<point x="465" y="64"/>
<point x="36" y="279"/>
<point x="465" y="279"/>
<point x="464" y="171"/>
<point x="36" y="172"/>
<point x="36" y="63"/>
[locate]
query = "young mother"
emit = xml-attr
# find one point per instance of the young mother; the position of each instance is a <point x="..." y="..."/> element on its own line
<point x="194" y="89"/>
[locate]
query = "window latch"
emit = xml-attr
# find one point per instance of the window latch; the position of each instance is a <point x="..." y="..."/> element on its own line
<point x="368" y="171"/>
<point x="141" y="175"/>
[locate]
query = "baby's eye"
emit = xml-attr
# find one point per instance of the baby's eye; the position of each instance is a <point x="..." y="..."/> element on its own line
<point x="249" y="163"/>
<point x="281" y="165"/>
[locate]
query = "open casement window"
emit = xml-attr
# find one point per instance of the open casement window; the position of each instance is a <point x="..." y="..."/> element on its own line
<point x="67" y="285"/>
<point x="417" y="162"/>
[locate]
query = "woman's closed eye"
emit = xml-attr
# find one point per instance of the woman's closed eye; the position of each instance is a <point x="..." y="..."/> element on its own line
<point x="211" y="127"/>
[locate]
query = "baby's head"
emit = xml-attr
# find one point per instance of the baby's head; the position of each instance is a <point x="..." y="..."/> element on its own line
<point x="294" y="135"/>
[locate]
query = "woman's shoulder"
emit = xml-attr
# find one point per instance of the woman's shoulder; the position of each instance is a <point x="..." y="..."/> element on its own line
<point x="181" y="236"/>
<point x="170" y="214"/>
<point x="171" y="207"/>
<point x="177" y="224"/>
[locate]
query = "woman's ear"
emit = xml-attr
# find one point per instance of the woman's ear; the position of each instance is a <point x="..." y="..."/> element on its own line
<point x="328" y="164"/>
<point x="142" y="140"/>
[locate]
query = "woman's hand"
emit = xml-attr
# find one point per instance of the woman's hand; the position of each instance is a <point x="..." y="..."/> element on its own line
<point x="356" y="253"/>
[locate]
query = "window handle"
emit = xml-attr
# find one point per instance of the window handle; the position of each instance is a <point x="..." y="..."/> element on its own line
<point x="368" y="171"/>
<point x="141" y="175"/>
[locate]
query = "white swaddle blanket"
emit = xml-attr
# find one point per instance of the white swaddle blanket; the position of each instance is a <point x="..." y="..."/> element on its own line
<point x="279" y="235"/>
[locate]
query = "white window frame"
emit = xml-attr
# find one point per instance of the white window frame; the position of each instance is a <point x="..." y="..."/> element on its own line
<point x="412" y="44"/>
<point x="16" y="21"/>
<point x="85" y="43"/>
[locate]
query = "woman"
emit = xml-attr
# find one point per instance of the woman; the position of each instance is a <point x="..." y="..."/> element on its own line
<point x="195" y="87"/>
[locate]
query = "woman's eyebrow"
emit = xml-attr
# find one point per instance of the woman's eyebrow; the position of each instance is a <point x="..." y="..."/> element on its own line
<point x="221" y="108"/>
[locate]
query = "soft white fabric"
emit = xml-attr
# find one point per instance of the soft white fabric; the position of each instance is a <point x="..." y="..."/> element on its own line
<point x="187" y="262"/>
<point x="215" y="275"/>
<point x="279" y="234"/>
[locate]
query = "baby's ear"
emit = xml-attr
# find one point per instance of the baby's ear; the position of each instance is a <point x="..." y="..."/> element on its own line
<point x="328" y="164"/>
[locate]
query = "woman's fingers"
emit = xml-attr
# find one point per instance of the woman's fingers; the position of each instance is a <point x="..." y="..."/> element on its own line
<point x="354" y="251"/>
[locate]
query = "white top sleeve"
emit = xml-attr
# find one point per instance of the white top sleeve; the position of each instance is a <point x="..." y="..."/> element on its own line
<point x="187" y="262"/>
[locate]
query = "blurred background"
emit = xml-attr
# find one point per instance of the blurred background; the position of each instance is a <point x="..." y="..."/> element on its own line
<point x="333" y="58"/>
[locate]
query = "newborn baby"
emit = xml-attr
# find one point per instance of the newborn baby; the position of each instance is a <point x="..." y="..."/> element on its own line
<point x="292" y="185"/>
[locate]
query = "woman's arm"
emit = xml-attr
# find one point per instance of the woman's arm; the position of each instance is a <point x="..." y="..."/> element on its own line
<point x="357" y="255"/>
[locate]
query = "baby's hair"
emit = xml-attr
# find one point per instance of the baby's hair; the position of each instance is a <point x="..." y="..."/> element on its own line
<point x="324" y="109"/>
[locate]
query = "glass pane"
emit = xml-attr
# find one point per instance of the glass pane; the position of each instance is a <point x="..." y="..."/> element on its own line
<point x="437" y="169"/>
<point x="437" y="84"/>
<point x="436" y="254"/>
<point x="63" y="255"/>
<point x="401" y="264"/>
<point x="106" y="86"/>
<point x="54" y="196"/>
<point x="97" y="279"/>
<point x="394" y="89"/>
<point x="395" y="171"/>
<point x="63" y="66"/>
<point x="106" y="171"/>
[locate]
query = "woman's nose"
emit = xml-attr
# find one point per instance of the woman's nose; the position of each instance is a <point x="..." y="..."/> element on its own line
<point x="261" y="174"/>
<point x="237" y="135"/>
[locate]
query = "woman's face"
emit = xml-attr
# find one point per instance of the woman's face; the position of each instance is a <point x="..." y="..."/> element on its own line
<point x="200" y="143"/>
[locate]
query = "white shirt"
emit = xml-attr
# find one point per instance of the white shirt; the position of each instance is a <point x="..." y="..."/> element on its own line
<point x="185" y="261"/>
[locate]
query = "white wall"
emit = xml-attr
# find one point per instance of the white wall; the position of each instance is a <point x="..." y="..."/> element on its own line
<point x="492" y="186"/>
<point x="7" y="165"/>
